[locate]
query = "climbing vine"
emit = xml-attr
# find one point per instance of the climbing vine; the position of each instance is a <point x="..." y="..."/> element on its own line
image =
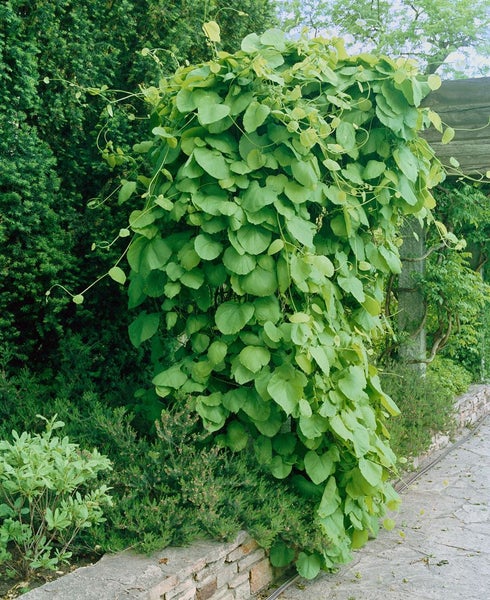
<point x="275" y="180"/>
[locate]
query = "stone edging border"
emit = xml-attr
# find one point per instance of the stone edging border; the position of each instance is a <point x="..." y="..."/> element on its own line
<point x="207" y="570"/>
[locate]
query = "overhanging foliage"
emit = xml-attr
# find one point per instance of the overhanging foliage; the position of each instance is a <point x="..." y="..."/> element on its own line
<point x="279" y="175"/>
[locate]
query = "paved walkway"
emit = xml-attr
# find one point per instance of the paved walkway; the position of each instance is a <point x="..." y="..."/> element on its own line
<point x="440" y="547"/>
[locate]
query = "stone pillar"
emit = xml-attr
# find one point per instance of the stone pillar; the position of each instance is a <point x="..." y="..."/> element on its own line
<point x="411" y="305"/>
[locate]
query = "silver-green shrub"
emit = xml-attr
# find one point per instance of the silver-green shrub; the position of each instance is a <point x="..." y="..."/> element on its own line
<point x="48" y="494"/>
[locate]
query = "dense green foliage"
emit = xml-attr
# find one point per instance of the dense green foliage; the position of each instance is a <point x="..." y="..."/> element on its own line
<point x="455" y="45"/>
<point x="455" y="286"/>
<point x="269" y="224"/>
<point x="52" y="57"/>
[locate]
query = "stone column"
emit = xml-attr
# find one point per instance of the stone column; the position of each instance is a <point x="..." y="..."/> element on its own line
<point x="411" y="304"/>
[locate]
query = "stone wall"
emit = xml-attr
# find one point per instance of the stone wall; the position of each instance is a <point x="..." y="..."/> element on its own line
<point x="205" y="570"/>
<point x="469" y="408"/>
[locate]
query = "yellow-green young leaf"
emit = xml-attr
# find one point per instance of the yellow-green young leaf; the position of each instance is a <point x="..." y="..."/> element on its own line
<point x="448" y="135"/>
<point x="389" y="524"/>
<point x="359" y="538"/>
<point x="124" y="233"/>
<point x="78" y="299"/>
<point x="331" y="165"/>
<point x="454" y="162"/>
<point x="212" y="31"/>
<point x="276" y="246"/>
<point x="118" y="275"/>
<point x="435" y="119"/>
<point x="372" y="306"/>
<point x="434" y="82"/>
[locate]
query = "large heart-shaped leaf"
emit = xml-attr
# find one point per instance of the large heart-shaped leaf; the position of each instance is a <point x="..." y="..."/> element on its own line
<point x="231" y="317"/>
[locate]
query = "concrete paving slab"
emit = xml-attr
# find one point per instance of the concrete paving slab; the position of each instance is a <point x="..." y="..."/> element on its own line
<point x="440" y="547"/>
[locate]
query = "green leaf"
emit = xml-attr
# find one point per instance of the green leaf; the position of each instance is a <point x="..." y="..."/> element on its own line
<point x="267" y="309"/>
<point x="373" y="169"/>
<point x="261" y="281"/>
<point x="78" y="299"/>
<point x="211" y="113"/>
<point x="281" y="555"/>
<point x="255" y="197"/>
<point x="279" y="468"/>
<point x="286" y="387"/>
<point x="302" y="231"/>
<point x="236" y="436"/>
<point x="231" y="317"/>
<point x="305" y="173"/>
<point x="298" y="194"/>
<point x="263" y="450"/>
<point x="275" y="247"/>
<point x="254" y="357"/>
<point x="448" y="135"/>
<point x="217" y="352"/>
<point x="254" y="240"/>
<point x="172" y="378"/>
<point x="144" y="254"/>
<point x="212" y="31"/>
<point x="313" y="427"/>
<point x="241" y="264"/>
<point x="206" y="247"/>
<point x="213" y="414"/>
<point x="126" y="191"/>
<point x="330" y="499"/>
<point x="200" y="342"/>
<point x="308" y="565"/>
<point x="320" y="356"/>
<point x="255" y="115"/>
<point x="389" y="405"/>
<point x="346" y="135"/>
<point x="321" y="263"/>
<point x="335" y="194"/>
<point x="117" y="274"/>
<point x="352" y="384"/>
<point x="213" y="162"/>
<point x="392" y="259"/>
<point x="318" y="468"/>
<point x="353" y="286"/>
<point x="405" y="187"/>
<point x="274" y="37"/>
<point x="371" y="471"/>
<point x="359" y="538"/>
<point x="407" y="163"/>
<point x="339" y="428"/>
<point x="143" y="328"/>
<point x="251" y="43"/>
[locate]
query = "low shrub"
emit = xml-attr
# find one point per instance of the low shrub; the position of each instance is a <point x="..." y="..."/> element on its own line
<point x="179" y="486"/>
<point x="426" y="403"/>
<point x="47" y="496"/>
